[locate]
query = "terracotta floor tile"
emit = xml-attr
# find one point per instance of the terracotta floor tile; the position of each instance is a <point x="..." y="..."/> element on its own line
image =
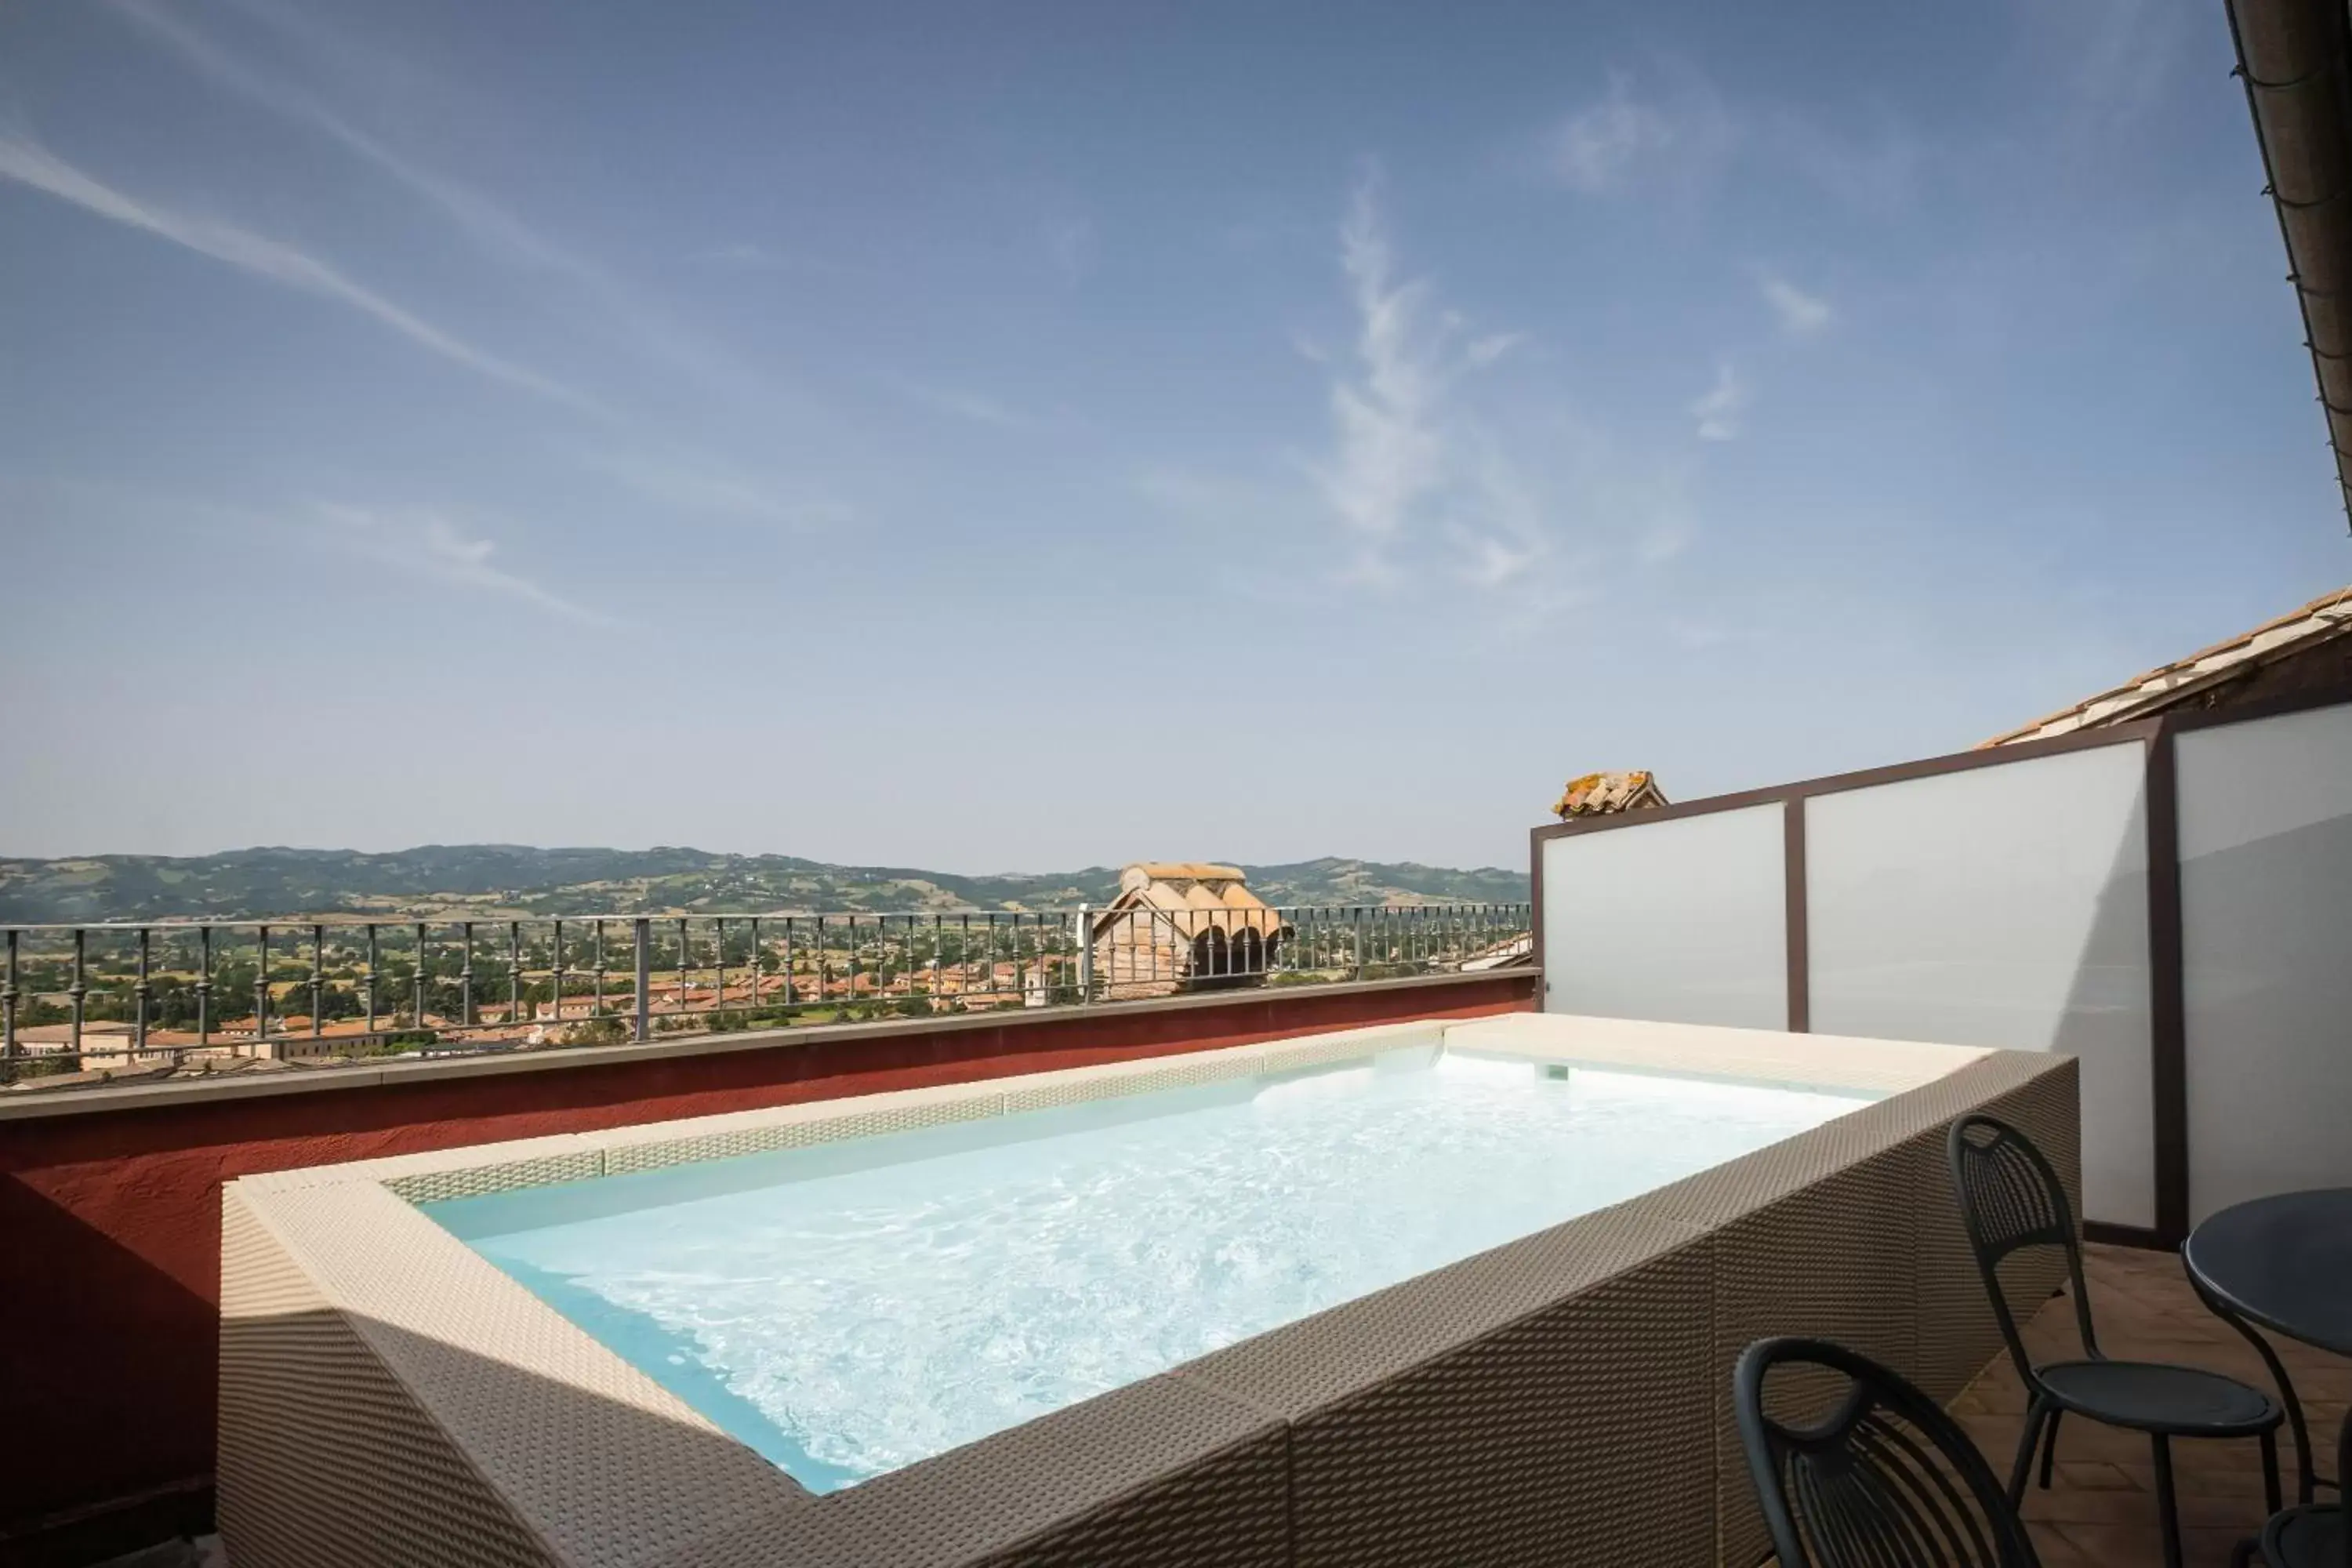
<point x="2092" y="1476"/>
<point x="2102" y="1508"/>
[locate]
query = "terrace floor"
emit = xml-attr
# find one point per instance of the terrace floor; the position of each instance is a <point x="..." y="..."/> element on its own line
<point x="2101" y="1507"/>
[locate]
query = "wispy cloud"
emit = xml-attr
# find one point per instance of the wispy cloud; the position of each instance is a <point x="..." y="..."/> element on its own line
<point x="1409" y="463"/>
<point x="488" y="225"/>
<point x="438" y="548"/>
<point x="1671" y="128"/>
<point x="1494" y="346"/>
<point x="1389" y="452"/>
<point x="1800" y="314"/>
<point x="683" y="483"/>
<point x="1625" y="137"/>
<point x="30" y="165"/>
<point x="975" y="407"/>
<point x="1721" y="407"/>
<point x="1593" y="147"/>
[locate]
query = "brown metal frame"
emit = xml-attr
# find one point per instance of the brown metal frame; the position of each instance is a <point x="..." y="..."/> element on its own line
<point x="2168" y="1018"/>
<point x="1796" y="923"/>
<point x="2167" y="1022"/>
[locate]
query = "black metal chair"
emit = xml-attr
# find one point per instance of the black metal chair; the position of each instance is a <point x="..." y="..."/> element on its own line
<point x="2311" y="1536"/>
<point x="2011" y="1199"/>
<point x="1888" y="1480"/>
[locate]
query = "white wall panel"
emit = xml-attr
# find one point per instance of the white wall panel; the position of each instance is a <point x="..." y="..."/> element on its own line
<point x="2005" y="905"/>
<point x="2266" y="947"/>
<point x="1682" y="921"/>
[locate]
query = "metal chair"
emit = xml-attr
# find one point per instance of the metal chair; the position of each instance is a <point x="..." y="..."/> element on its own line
<point x="2011" y="1198"/>
<point x="1888" y="1480"/>
<point x="2311" y="1536"/>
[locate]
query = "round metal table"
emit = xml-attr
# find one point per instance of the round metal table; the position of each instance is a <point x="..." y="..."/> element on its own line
<point x="2284" y="1264"/>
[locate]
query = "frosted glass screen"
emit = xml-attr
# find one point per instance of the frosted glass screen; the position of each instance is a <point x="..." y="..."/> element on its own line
<point x="2006" y="905"/>
<point x="2266" y="951"/>
<point x="1685" y="921"/>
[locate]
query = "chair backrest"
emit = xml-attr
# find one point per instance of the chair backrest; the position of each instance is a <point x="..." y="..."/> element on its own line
<point x="1888" y="1480"/>
<point x="2011" y="1198"/>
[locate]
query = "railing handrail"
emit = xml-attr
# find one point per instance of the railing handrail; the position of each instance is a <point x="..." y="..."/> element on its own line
<point x="393" y="981"/>
<point x="611" y="917"/>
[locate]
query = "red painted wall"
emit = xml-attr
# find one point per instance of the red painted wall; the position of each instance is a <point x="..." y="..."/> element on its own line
<point x="109" y="1221"/>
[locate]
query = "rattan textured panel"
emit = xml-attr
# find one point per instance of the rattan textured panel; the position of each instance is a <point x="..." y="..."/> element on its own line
<point x="1079" y="1087"/>
<point x="323" y="1456"/>
<point x="1352" y="1347"/>
<point x="757" y="1137"/>
<point x="1742" y="1186"/>
<point x="601" y="1463"/>
<point x="780" y="1538"/>
<point x="1836" y="1260"/>
<point x="1144" y="1474"/>
<point x="1232" y="1509"/>
<point x="1567" y="1436"/>
<point x="1739" y="1186"/>
<point x="1982" y="1083"/>
<point x="505" y="1176"/>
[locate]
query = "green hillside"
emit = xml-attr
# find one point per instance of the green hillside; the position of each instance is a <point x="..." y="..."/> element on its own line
<point x="505" y="879"/>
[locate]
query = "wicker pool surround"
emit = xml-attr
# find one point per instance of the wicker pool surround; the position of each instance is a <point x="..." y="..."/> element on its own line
<point x="390" y="1397"/>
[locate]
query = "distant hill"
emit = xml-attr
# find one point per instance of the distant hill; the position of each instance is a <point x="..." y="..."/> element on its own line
<point x="495" y="881"/>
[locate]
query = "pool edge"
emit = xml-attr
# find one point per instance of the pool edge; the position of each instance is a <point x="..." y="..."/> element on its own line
<point x="1547" y="1364"/>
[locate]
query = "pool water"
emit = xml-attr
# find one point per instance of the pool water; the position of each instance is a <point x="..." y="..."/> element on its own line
<point x="852" y="1307"/>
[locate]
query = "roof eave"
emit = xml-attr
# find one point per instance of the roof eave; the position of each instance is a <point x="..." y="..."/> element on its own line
<point x="2296" y="59"/>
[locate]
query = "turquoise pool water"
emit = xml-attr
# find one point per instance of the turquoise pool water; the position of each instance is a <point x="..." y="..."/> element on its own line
<point x="853" y="1307"/>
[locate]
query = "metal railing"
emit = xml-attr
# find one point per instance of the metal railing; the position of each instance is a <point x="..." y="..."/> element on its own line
<point x="210" y="996"/>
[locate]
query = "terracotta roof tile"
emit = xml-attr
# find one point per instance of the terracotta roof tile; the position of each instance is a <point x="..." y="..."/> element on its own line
<point x="1598" y="794"/>
<point x="2325" y="618"/>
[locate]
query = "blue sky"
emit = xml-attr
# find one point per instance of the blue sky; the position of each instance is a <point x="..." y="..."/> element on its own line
<point x="1003" y="436"/>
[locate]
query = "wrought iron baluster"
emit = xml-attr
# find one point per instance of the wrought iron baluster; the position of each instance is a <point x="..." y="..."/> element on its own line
<point x="465" y="975"/>
<point x="204" y="986"/>
<point x="370" y="978"/>
<point x="145" y="993"/>
<point x="596" y="955"/>
<point x="260" y="989"/>
<point x="683" y="996"/>
<point x="641" y="941"/>
<point x="514" y="974"/>
<point x="719" y="990"/>
<point x="8" y="1003"/>
<point x="418" y="979"/>
<point x="792" y="980"/>
<point x="318" y="979"/>
<point x="79" y="987"/>
<point x="555" y="979"/>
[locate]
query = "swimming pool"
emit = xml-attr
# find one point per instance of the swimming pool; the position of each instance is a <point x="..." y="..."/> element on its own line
<point x="853" y="1307"/>
<point x="390" y="1394"/>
